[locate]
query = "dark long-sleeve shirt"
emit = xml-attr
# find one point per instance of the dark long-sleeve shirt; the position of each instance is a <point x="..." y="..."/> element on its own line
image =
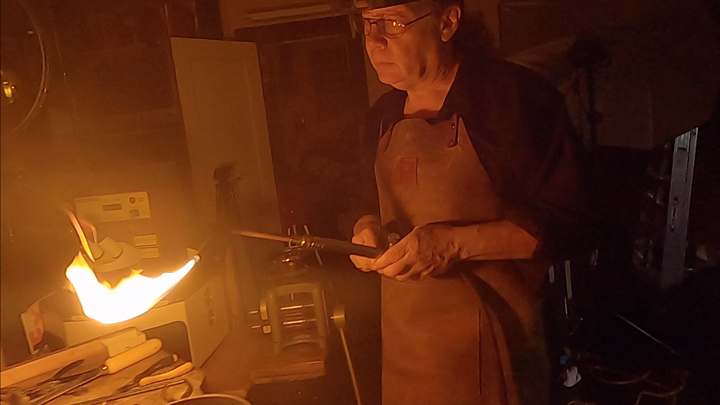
<point x="520" y="129"/>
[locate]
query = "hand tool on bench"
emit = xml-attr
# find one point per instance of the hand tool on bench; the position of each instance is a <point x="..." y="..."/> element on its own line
<point x="164" y="369"/>
<point x="111" y="366"/>
<point x="137" y="391"/>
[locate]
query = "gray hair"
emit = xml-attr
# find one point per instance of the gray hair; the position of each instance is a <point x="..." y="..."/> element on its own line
<point x="472" y="37"/>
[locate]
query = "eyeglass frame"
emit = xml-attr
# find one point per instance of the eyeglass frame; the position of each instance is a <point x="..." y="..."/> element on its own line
<point x="396" y="23"/>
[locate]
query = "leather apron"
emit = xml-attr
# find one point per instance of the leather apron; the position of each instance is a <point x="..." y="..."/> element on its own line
<point x="470" y="336"/>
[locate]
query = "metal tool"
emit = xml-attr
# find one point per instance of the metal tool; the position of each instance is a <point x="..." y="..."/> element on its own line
<point x="316" y="243"/>
<point x="180" y="367"/>
<point x="678" y="213"/>
<point x="111" y="366"/>
<point x="160" y="364"/>
<point x="139" y="391"/>
<point x="43" y="387"/>
<point x="339" y="321"/>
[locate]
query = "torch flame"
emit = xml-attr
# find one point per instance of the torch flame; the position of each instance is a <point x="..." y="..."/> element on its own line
<point x="132" y="297"/>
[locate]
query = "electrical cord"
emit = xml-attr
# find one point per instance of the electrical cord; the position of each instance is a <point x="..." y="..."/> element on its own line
<point x="625" y="378"/>
<point x="629" y="378"/>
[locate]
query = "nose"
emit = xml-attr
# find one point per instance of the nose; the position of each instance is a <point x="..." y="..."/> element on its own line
<point x="374" y="39"/>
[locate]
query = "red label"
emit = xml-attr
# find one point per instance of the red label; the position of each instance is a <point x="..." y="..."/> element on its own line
<point x="36" y="335"/>
<point x="406" y="171"/>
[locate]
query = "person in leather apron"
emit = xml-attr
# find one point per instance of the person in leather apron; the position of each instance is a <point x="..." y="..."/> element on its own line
<point x="475" y="167"/>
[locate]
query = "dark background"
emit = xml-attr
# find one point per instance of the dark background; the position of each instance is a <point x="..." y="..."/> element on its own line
<point x="111" y="115"/>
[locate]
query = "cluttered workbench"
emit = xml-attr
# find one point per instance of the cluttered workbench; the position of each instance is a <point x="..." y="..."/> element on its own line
<point x="193" y="343"/>
<point x="144" y="374"/>
<point x="147" y="374"/>
<point x="247" y="314"/>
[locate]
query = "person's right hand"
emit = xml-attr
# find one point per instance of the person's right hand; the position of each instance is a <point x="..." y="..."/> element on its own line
<point x="367" y="232"/>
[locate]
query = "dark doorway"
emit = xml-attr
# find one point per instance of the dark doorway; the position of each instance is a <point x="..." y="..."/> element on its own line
<point x="315" y="93"/>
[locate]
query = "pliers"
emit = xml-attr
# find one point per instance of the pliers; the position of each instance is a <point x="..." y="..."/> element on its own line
<point x="152" y="374"/>
<point x="44" y="389"/>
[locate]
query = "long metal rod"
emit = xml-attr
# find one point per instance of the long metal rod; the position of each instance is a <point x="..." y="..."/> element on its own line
<point x="262" y="235"/>
<point x="653" y="338"/>
<point x="316" y="243"/>
<point x="350" y="366"/>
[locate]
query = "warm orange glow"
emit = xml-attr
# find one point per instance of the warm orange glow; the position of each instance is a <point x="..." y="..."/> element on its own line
<point x="133" y="296"/>
<point x="81" y="235"/>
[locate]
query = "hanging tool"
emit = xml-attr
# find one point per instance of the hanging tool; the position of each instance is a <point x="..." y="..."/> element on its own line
<point x="111" y="366"/>
<point x="317" y="243"/>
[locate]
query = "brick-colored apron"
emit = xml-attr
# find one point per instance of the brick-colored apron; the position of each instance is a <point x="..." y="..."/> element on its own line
<point x="471" y="336"/>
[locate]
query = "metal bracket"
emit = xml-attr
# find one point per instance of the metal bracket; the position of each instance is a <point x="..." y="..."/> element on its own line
<point x="675" y="245"/>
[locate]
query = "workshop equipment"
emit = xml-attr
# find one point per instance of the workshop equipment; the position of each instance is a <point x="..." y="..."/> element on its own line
<point x="282" y="288"/>
<point x="316" y="243"/>
<point x="139" y="391"/>
<point x="49" y="390"/>
<point x="132" y="294"/>
<point x="160" y="364"/>
<point x="293" y="314"/>
<point x="42" y="388"/>
<point x="54" y="361"/>
<point x="167" y="368"/>
<point x="339" y="321"/>
<point x="191" y="320"/>
<point x="659" y="254"/>
<point x="146" y="238"/>
<point x="181" y="368"/>
<point x="100" y="349"/>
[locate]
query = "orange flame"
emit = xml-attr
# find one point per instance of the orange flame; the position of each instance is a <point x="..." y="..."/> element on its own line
<point x="133" y="296"/>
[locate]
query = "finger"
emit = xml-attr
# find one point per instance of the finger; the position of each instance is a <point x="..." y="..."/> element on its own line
<point x="359" y="239"/>
<point x="425" y="273"/>
<point x="362" y="263"/>
<point x="366" y="237"/>
<point x="390" y="256"/>
<point x="415" y="272"/>
<point x="398" y="267"/>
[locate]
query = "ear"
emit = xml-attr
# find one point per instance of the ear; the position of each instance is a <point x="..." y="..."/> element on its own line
<point x="449" y="22"/>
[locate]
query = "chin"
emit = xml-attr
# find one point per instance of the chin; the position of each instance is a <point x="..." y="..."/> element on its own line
<point x="390" y="77"/>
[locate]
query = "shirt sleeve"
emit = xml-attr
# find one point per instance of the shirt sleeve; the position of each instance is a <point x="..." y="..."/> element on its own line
<point x="523" y="135"/>
<point x="546" y="189"/>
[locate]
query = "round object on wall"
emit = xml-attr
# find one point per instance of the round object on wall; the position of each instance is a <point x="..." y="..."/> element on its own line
<point x="23" y="67"/>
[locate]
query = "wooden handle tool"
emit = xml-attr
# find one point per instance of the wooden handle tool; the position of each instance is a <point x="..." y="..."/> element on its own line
<point x="176" y="372"/>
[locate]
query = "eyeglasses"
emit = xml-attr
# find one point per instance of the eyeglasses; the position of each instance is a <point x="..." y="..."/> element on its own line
<point x="386" y="28"/>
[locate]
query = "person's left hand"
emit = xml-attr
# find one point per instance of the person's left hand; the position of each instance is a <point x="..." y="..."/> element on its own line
<point x="427" y="250"/>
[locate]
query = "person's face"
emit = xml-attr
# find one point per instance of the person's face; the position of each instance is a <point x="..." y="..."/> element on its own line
<point x="405" y="61"/>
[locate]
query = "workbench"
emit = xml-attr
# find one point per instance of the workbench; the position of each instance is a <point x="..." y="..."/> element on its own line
<point x="108" y="384"/>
